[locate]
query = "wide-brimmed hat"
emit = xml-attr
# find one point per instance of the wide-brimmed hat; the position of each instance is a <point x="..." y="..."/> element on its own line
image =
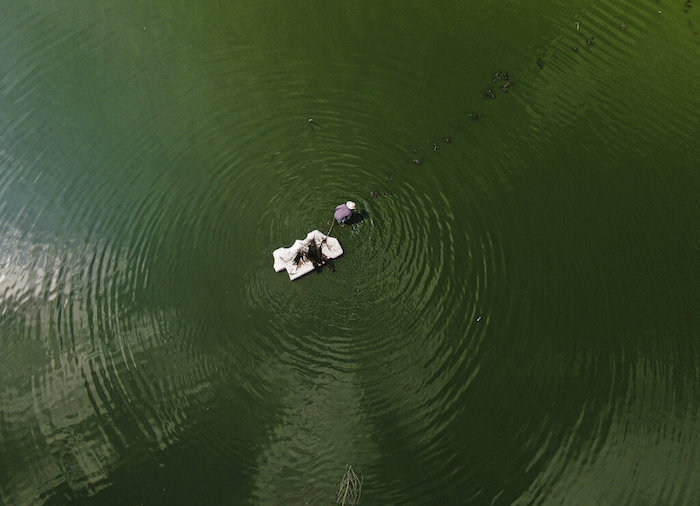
<point x="350" y="204"/>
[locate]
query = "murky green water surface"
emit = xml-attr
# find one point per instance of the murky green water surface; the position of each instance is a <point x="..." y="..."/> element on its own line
<point x="514" y="322"/>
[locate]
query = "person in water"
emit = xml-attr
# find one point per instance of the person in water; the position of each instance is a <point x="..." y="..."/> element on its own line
<point x="343" y="212"/>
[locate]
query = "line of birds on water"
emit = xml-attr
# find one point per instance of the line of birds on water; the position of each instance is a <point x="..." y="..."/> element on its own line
<point x="500" y="79"/>
<point x="503" y="81"/>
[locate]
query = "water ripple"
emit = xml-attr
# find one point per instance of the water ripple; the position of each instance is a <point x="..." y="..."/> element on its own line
<point x="137" y="286"/>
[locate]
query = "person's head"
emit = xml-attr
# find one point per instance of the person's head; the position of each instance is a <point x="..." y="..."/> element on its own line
<point x="350" y="204"/>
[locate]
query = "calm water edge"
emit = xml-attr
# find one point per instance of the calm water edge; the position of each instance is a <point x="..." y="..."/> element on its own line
<point x="514" y="321"/>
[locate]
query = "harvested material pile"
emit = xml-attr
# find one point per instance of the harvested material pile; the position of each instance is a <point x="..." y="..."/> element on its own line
<point x="306" y="255"/>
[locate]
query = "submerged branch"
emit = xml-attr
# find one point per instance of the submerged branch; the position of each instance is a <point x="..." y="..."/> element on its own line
<point x="350" y="488"/>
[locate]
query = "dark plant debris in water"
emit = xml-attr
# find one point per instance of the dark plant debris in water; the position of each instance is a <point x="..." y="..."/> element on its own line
<point x="504" y="81"/>
<point x="686" y="9"/>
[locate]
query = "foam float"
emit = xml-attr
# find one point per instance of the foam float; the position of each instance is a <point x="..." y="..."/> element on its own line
<point x="296" y="258"/>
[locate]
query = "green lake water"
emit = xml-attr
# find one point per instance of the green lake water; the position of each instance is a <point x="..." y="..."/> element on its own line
<point x="515" y="319"/>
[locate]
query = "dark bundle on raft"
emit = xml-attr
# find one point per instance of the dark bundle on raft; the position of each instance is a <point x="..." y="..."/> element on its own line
<point x="315" y="255"/>
<point x="318" y="258"/>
